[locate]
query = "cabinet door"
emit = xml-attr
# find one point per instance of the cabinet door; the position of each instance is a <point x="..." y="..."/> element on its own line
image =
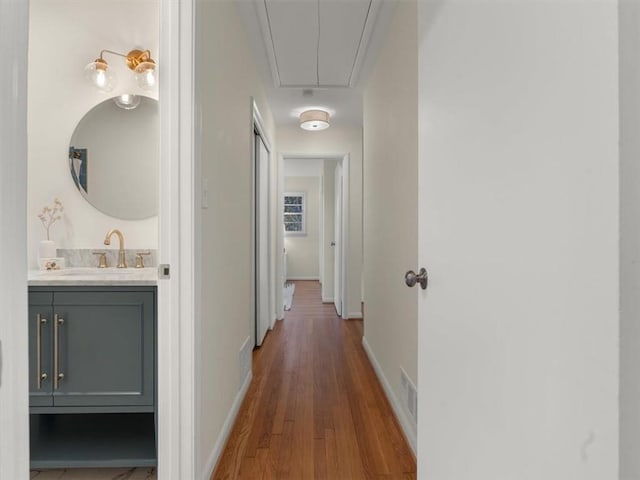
<point x="40" y="352"/>
<point x="105" y="348"/>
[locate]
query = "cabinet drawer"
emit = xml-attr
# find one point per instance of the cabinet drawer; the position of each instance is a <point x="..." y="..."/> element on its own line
<point x="40" y="298"/>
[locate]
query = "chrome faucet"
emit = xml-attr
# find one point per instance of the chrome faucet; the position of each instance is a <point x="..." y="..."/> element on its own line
<point x="107" y="241"/>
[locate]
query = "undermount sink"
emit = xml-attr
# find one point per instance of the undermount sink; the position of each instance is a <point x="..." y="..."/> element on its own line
<point x="79" y="276"/>
<point x="78" y="271"/>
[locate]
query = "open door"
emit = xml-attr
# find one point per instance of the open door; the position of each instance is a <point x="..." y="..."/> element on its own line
<point x="14" y="367"/>
<point x="518" y="229"/>
<point x="337" y="235"/>
<point x="262" y="232"/>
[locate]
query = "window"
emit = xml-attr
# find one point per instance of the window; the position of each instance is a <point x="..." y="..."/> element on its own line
<point x="294" y="214"/>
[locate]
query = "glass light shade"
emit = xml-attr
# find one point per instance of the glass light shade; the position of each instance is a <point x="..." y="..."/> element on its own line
<point x="100" y="75"/>
<point x="127" y="101"/>
<point x="314" y="120"/>
<point x="145" y="75"/>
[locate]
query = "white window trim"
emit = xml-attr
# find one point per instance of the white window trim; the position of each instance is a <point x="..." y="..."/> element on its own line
<point x="303" y="232"/>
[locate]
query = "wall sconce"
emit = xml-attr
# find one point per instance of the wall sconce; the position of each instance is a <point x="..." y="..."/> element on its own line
<point x="314" y="120"/>
<point x="101" y="75"/>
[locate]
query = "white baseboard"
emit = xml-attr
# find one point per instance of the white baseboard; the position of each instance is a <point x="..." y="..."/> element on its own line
<point x="407" y="427"/>
<point x="226" y="428"/>
<point x="355" y="315"/>
<point x="302" y="278"/>
<point x="328" y="300"/>
<point x="273" y="321"/>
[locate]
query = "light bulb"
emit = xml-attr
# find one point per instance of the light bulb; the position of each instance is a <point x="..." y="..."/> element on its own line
<point x="145" y="75"/>
<point x="100" y="75"/>
<point x="127" y="101"/>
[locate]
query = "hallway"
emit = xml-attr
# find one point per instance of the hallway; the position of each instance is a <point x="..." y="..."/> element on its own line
<point x="315" y="409"/>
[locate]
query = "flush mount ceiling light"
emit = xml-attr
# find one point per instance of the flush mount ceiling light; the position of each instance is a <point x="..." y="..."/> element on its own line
<point x="314" y="120"/>
<point x="140" y="62"/>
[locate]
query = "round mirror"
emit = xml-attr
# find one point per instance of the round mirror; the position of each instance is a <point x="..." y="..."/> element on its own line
<point x="114" y="157"/>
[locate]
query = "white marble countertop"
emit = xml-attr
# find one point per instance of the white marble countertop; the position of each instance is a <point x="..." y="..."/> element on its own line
<point x="81" y="276"/>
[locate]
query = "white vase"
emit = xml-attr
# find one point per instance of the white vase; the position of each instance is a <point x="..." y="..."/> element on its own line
<point x="47" y="249"/>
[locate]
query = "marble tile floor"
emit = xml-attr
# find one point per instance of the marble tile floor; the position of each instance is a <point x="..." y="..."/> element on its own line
<point x="95" y="474"/>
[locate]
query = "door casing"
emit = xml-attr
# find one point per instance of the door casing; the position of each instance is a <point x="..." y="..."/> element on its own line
<point x="344" y="161"/>
<point x="14" y="364"/>
<point x="261" y="240"/>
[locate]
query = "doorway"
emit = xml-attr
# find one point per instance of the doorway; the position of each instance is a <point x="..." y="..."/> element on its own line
<point x="325" y="218"/>
<point x="176" y="328"/>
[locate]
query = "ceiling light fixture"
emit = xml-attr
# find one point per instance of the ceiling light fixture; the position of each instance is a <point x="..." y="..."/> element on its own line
<point x="314" y="120"/>
<point x="140" y="62"/>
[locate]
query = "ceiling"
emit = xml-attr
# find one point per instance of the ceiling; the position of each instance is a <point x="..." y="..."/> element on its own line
<point x="315" y="53"/>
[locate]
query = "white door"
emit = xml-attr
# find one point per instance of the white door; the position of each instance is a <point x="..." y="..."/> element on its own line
<point x="518" y="228"/>
<point x="262" y="239"/>
<point x="14" y="368"/>
<point x="337" y="235"/>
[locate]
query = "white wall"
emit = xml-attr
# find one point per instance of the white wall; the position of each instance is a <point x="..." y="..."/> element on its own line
<point x="519" y="136"/>
<point x="64" y="36"/>
<point x="335" y="142"/>
<point x="226" y="80"/>
<point x="303" y="261"/>
<point x="629" y="37"/>
<point x="303" y="167"/>
<point x="391" y="207"/>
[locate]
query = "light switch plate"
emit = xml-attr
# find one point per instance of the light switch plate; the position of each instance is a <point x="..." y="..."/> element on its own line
<point x="164" y="271"/>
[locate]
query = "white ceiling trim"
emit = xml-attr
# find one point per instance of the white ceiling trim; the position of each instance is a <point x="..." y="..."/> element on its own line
<point x="263" y="20"/>
<point x="365" y="41"/>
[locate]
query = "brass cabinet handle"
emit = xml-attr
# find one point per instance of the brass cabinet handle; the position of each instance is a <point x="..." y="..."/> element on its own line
<point x="57" y="375"/>
<point x="40" y="321"/>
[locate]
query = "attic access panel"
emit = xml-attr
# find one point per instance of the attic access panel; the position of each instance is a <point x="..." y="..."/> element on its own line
<point x="316" y="42"/>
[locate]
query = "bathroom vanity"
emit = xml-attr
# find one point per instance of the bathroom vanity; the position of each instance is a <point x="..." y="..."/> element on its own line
<point x="92" y="368"/>
<point x="92" y="331"/>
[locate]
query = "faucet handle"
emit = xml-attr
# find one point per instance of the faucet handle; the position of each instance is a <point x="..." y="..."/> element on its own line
<point x="102" y="259"/>
<point x="140" y="260"/>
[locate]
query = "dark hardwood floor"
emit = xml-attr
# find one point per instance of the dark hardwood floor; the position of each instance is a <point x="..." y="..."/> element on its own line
<point x="315" y="409"/>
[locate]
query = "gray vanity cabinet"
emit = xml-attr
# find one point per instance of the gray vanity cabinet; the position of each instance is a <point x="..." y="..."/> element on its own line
<point x="92" y="364"/>
<point x="98" y="343"/>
